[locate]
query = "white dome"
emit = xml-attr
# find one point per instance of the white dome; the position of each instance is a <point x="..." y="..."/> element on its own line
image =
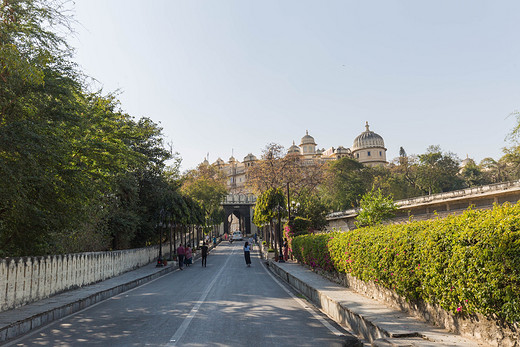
<point x="293" y="149"/>
<point x="368" y="139"/>
<point x="307" y="139"/>
<point x="249" y="157"/>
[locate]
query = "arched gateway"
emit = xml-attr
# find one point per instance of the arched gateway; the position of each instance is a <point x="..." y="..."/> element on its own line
<point x="241" y="207"/>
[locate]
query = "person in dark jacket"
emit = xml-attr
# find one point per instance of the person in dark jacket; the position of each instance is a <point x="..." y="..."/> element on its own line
<point x="204" y="253"/>
<point x="247" y="254"/>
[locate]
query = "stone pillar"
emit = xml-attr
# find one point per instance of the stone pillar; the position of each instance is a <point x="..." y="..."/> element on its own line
<point x="11" y="283"/>
<point x="28" y="274"/>
<point x="3" y="284"/>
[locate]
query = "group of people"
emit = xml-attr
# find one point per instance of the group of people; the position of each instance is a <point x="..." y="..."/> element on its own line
<point x="185" y="255"/>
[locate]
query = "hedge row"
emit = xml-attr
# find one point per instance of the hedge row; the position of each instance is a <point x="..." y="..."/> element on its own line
<point x="466" y="264"/>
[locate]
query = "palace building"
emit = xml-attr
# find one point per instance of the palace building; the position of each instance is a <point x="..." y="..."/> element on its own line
<point x="368" y="148"/>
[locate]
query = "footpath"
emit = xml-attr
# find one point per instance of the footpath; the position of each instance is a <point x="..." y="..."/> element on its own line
<point x="368" y="319"/>
<point x="374" y="322"/>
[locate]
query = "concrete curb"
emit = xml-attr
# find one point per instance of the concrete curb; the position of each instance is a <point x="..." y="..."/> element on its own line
<point x="24" y="326"/>
<point x="366" y="318"/>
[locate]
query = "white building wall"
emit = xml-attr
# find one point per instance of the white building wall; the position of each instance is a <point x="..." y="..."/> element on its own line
<point x="29" y="279"/>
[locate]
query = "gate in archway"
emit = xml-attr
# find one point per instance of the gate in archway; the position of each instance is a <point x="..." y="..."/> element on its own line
<point x="241" y="207"/>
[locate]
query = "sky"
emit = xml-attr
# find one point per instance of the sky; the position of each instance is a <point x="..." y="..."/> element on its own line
<point x="228" y="77"/>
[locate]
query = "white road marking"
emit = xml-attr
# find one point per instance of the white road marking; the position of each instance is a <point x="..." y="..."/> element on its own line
<point x="182" y="329"/>
<point x="305" y="306"/>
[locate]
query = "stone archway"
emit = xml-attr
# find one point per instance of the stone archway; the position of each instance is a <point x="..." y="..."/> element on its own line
<point x="243" y="213"/>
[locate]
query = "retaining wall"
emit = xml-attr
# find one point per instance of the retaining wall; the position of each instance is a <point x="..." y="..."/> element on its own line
<point x="29" y="279"/>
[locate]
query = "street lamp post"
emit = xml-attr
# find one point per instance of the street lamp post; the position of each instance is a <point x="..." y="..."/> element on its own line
<point x="160" y="225"/>
<point x="280" y="258"/>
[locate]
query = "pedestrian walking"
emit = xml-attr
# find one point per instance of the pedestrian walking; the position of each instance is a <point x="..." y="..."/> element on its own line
<point x="188" y="257"/>
<point x="247" y="254"/>
<point x="285" y="249"/>
<point x="180" y="256"/>
<point x="204" y="253"/>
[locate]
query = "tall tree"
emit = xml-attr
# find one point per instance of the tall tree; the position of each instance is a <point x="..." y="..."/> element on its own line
<point x="207" y="186"/>
<point x="375" y="208"/>
<point x="277" y="169"/>
<point x="437" y="171"/>
<point x="346" y="181"/>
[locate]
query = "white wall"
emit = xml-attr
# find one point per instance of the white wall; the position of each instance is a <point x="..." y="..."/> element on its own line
<point x="29" y="279"/>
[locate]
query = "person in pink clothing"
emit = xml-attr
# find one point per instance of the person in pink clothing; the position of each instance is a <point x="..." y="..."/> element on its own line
<point x="188" y="254"/>
<point x="180" y="256"/>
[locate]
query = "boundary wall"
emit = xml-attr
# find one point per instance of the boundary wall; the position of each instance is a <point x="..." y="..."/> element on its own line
<point x="437" y="205"/>
<point x="29" y="279"/>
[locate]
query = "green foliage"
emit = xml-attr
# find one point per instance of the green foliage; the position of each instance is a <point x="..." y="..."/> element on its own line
<point x="313" y="250"/>
<point x="375" y="208"/>
<point x="466" y="264"/>
<point x="308" y="206"/>
<point x="269" y="206"/>
<point x="206" y="185"/>
<point x="437" y="172"/>
<point x="472" y="175"/>
<point x="301" y="225"/>
<point x="77" y="173"/>
<point x="347" y="180"/>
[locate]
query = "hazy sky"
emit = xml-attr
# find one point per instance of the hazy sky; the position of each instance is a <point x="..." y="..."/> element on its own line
<point x="223" y="75"/>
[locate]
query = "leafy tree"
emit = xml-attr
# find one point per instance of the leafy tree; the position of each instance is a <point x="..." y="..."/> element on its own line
<point x="276" y="169"/>
<point x="375" y="208"/>
<point x="309" y="206"/>
<point x="437" y="171"/>
<point x="472" y="174"/>
<point x="494" y="171"/>
<point x="79" y="174"/>
<point x="270" y="205"/>
<point x="207" y="186"/>
<point x="345" y="182"/>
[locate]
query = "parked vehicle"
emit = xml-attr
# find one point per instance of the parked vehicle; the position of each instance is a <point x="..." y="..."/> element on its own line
<point x="237" y="236"/>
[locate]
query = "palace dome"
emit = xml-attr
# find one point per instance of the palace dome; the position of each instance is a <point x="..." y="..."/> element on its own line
<point x="294" y="149"/>
<point x="308" y="139"/>
<point x="249" y="157"/>
<point x="368" y="139"/>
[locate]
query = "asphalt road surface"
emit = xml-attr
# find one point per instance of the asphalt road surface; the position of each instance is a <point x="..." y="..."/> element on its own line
<point x="223" y="304"/>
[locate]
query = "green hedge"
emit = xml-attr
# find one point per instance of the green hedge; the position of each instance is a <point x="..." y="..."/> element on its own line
<point x="466" y="264"/>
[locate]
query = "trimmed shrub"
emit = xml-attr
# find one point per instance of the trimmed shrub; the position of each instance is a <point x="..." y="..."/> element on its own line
<point x="468" y="263"/>
<point x="301" y="225"/>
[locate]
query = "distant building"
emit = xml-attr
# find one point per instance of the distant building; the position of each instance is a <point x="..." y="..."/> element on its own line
<point x="368" y="148"/>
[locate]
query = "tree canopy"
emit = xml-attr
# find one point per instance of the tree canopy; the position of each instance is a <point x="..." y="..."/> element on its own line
<point x="78" y="173"/>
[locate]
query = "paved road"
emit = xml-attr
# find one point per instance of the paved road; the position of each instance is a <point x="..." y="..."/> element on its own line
<point x="223" y="304"/>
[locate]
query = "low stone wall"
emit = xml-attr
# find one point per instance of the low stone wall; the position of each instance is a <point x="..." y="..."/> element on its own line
<point x="29" y="279"/>
<point x="475" y="326"/>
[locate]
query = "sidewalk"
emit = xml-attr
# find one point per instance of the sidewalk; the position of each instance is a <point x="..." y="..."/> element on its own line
<point x="14" y="323"/>
<point x="369" y="319"/>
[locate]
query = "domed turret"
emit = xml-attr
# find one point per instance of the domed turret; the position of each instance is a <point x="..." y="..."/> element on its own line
<point x="368" y="139"/>
<point x="307" y="139"/>
<point x="369" y="148"/>
<point x="249" y="160"/>
<point x="308" y="146"/>
<point x="219" y="162"/>
<point x="249" y="157"/>
<point x="342" y="152"/>
<point x="293" y="149"/>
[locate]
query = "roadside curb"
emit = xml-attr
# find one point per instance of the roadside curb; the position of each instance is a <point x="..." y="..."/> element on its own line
<point x="370" y="320"/>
